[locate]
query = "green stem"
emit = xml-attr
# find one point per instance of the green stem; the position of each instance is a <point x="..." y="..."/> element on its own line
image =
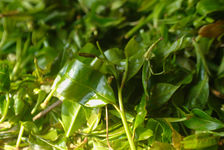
<point x="19" y="136"/>
<point x="6" y="108"/>
<point x="124" y="120"/>
<point x="47" y="99"/>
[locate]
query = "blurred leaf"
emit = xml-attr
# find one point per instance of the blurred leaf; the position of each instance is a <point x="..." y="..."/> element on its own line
<point x="30" y="127"/>
<point x="19" y="101"/>
<point x="161" y="146"/>
<point x="213" y="30"/>
<point x="205" y="7"/>
<point x="143" y="133"/>
<point x="51" y="135"/>
<point x="4" y="77"/>
<point x="198" y="141"/>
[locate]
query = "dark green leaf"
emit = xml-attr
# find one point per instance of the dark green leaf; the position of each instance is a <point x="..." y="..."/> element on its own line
<point x="4" y="77"/>
<point x="198" y="95"/>
<point x="161" y="93"/>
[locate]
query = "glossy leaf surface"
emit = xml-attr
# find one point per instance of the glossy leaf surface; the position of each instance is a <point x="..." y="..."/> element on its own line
<point x="82" y="84"/>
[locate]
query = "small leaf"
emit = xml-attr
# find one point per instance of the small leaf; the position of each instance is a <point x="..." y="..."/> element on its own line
<point x="198" y="141"/>
<point x="146" y="74"/>
<point x="30" y="127"/>
<point x="141" y="112"/>
<point x="143" y="133"/>
<point x="51" y="135"/>
<point x="93" y="117"/>
<point x="19" y="101"/>
<point x="175" y="46"/>
<point x="72" y="115"/>
<point x="4" y="77"/>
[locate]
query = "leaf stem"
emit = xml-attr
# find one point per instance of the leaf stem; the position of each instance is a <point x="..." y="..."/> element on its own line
<point x="6" y="108"/>
<point x="19" y="136"/>
<point x="107" y="134"/>
<point x="121" y="108"/>
<point x="47" y="99"/>
<point x="101" y="51"/>
<point x="124" y="120"/>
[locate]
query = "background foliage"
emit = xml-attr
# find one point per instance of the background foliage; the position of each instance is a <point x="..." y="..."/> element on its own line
<point x="152" y="69"/>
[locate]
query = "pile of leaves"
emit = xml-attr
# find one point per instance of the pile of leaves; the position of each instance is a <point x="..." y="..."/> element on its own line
<point x="112" y="74"/>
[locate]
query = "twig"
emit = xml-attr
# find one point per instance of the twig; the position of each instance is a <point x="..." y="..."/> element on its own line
<point x="108" y="143"/>
<point x="217" y="93"/>
<point x="45" y="111"/>
<point x="8" y="14"/>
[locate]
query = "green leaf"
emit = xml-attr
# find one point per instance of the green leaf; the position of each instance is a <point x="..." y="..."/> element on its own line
<point x="93" y="117"/>
<point x="72" y="115"/>
<point x="131" y="48"/>
<point x="206" y="7"/>
<point x="79" y="82"/>
<point x="175" y="46"/>
<point x="161" y="130"/>
<point x="87" y="50"/>
<point x="161" y="93"/>
<point x="134" y="52"/>
<point x="200" y="58"/>
<point x="202" y="121"/>
<point x="19" y="101"/>
<point x="143" y="133"/>
<point x="114" y="56"/>
<point x="30" y="127"/>
<point x="141" y="112"/>
<point x="198" y="95"/>
<point x="161" y="146"/>
<point x="146" y="74"/>
<point x="51" y="135"/>
<point x="201" y="140"/>
<point x="4" y="77"/>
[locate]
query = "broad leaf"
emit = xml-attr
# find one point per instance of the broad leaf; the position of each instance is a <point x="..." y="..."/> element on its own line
<point x="79" y="82"/>
<point x="161" y="93"/>
<point x="205" y="7"/>
<point x="198" y="95"/>
<point x="198" y="141"/>
<point x="134" y="53"/>
<point x="202" y="121"/>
